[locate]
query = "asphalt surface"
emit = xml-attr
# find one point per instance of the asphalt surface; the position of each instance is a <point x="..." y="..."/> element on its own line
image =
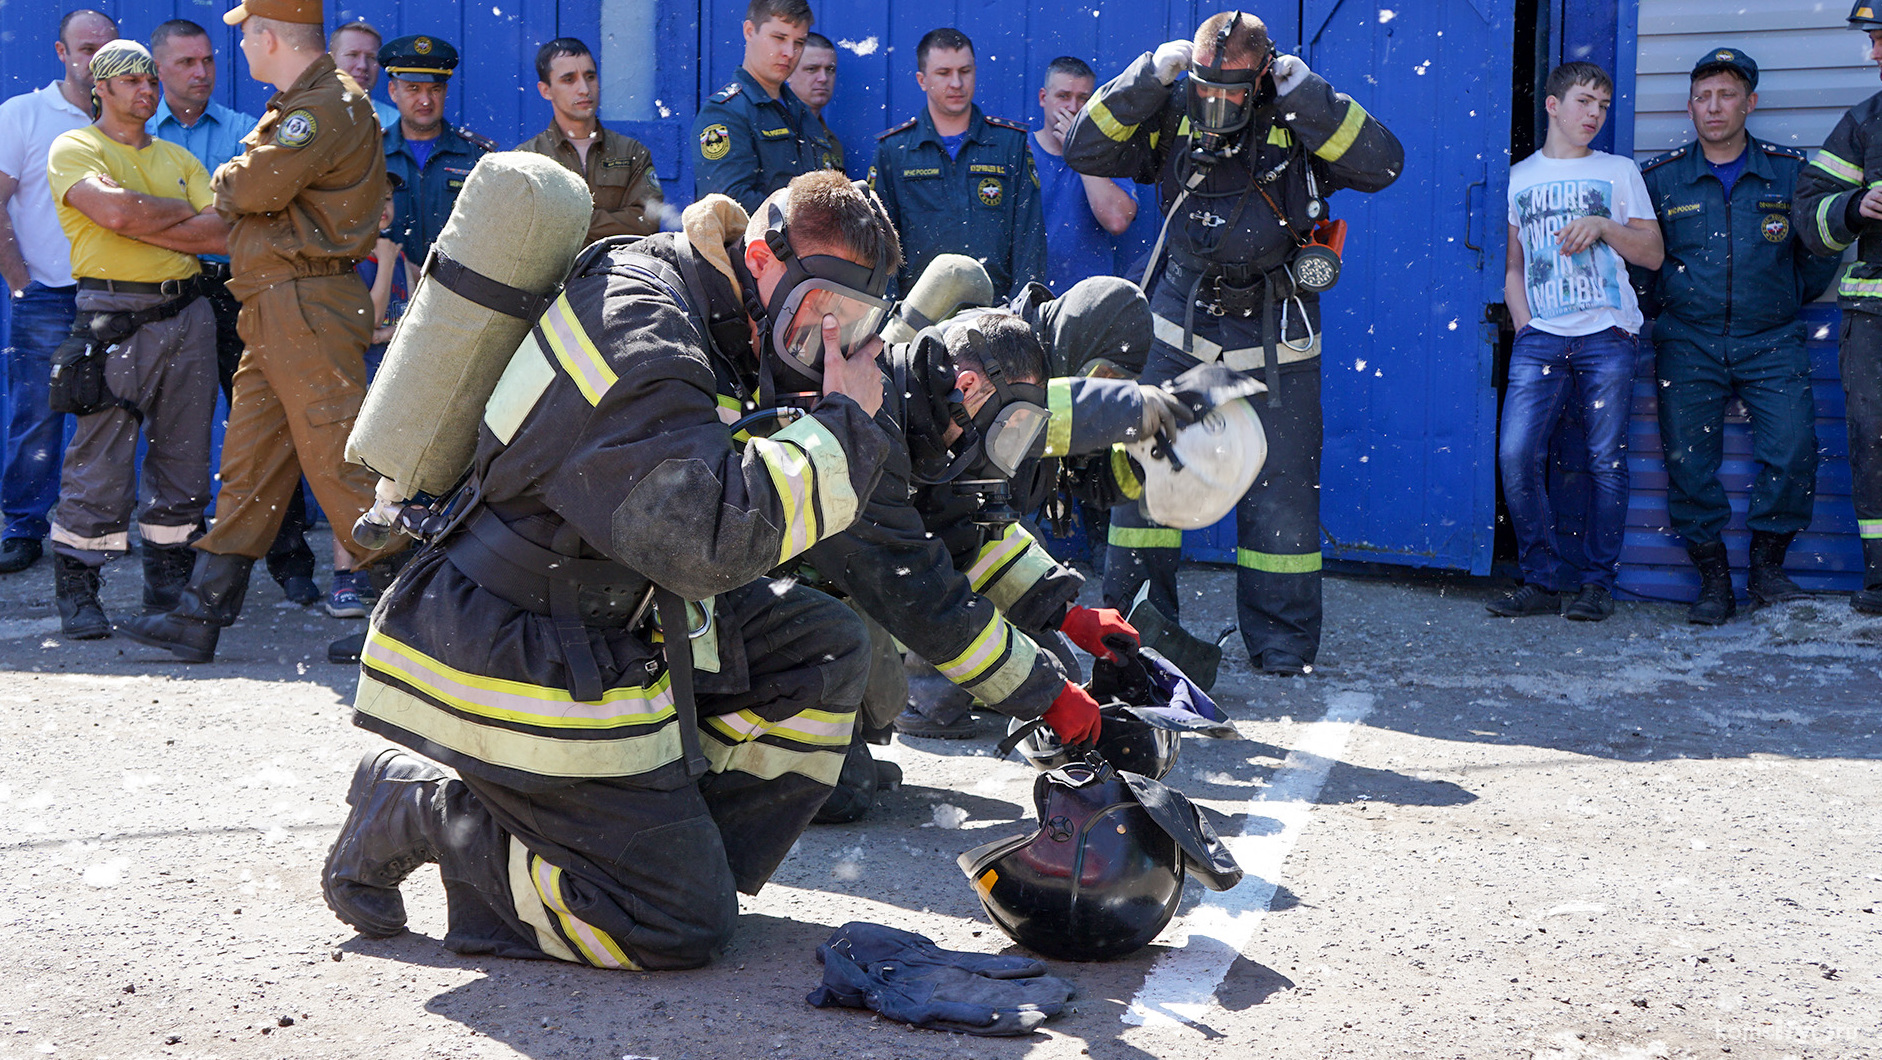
<point x="1467" y="837"/>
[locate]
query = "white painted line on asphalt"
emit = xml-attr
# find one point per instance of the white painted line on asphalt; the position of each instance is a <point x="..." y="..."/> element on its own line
<point x="1181" y="986"/>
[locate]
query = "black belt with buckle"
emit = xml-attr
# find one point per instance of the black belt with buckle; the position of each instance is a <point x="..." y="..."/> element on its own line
<point x="190" y="286"/>
<point x="215" y="271"/>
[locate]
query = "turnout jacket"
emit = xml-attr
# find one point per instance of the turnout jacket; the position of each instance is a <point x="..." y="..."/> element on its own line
<point x="1824" y="211"/>
<point x="1733" y="265"/>
<point x="607" y="440"/>
<point x="1137" y="127"/>
<point x="968" y="598"/>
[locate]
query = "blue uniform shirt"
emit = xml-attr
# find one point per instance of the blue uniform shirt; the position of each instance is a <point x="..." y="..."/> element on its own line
<point x="747" y="145"/>
<point x="214" y="139"/>
<point x="1077" y="246"/>
<point x="1733" y="265"/>
<point x="421" y="206"/>
<point x="983" y="202"/>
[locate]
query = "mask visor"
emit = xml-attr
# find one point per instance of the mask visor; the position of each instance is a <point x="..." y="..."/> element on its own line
<point x="1014" y="433"/>
<point x="1221" y="108"/>
<point x="798" y="334"/>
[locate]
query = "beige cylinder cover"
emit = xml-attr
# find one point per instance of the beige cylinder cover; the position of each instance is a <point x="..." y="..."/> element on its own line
<point x="520" y="220"/>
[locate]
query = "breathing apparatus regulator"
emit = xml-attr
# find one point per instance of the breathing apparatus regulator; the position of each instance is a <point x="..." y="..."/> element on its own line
<point x="1009" y="427"/>
<point x="790" y="363"/>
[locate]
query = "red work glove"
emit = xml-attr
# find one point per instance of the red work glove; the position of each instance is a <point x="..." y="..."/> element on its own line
<point x="1074" y="716"/>
<point x="1100" y="631"/>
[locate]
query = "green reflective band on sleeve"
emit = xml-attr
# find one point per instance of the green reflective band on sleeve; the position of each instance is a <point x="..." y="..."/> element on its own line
<point x="1343" y="137"/>
<point x="1144" y="537"/>
<point x="1277" y="563"/>
<point x="1059" y="426"/>
<point x="1869" y="529"/>
<point x="1823" y="222"/>
<point x="811" y="476"/>
<point x="1108" y="123"/>
<point x="1853" y="287"/>
<point x="1837" y="168"/>
<point x="1124" y="474"/>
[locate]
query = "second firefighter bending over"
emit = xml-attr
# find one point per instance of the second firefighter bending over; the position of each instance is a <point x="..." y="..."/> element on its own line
<point x="1244" y="154"/>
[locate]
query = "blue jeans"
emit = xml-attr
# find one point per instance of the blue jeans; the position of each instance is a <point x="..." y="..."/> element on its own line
<point x="1546" y="372"/>
<point x="42" y="318"/>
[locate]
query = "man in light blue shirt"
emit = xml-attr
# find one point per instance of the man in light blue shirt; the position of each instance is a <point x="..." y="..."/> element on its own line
<point x="189" y="118"/>
<point x="355" y="50"/>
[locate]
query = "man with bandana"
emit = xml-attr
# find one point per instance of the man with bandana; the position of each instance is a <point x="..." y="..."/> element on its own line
<point x="142" y="312"/>
<point x="303" y="205"/>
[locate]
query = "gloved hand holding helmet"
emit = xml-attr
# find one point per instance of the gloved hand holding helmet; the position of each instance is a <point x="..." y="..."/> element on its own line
<point x="1163" y="413"/>
<point x="1101" y="631"/>
<point x="1171" y="59"/>
<point x="1074" y="716"/>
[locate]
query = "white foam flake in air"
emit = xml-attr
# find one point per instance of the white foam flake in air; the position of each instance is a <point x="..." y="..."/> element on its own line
<point x="866" y="46"/>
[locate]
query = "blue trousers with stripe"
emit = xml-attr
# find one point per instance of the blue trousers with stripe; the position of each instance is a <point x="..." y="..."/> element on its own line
<point x="1277" y="526"/>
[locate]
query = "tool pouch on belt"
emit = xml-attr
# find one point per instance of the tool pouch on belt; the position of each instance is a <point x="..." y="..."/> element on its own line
<point x="78" y="375"/>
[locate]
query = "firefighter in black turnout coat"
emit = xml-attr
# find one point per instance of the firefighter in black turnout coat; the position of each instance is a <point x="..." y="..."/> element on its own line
<point x="1244" y="154"/>
<point x="601" y="818"/>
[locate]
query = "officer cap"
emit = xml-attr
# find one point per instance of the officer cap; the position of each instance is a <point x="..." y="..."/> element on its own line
<point x="1720" y="59"/>
<point x="305" y="12"/>
<point x="419" y="58"/>
<point x="1864" y="15"/>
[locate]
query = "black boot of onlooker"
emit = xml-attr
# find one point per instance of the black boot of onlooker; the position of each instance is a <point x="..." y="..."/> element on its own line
<point x="75" y="584"/>
<point x="1768" y="584"/>
<point x="1716" y="603"/>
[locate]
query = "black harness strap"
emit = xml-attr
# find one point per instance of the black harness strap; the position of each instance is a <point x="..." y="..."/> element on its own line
<point x="679" y="649"/>
<point x="474" y="286"/>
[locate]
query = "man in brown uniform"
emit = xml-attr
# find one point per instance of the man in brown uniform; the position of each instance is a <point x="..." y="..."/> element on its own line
<point x="303" y="206"/>
<point x="618" y="169"/>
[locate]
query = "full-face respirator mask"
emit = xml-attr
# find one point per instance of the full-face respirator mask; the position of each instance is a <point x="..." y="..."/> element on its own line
<point x="1223" y="102"/>
<point x="813" y="287"/>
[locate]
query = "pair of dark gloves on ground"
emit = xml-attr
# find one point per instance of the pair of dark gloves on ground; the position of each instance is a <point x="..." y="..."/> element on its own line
<point x="906" y="977"/>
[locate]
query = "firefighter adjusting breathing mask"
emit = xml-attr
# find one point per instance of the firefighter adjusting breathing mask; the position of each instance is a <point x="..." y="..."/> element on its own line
<point x="813" y="287"/>
<point x="1008" y="427"/>
<point x="1223" y="102"/>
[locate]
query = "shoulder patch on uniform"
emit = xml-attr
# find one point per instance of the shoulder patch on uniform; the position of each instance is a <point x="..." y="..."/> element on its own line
<point x="1008" y="124"/>
<point x="714" y="142"/>
<point x="727" y="92"/>
<point x="904" y="127"/>
<point x="298" y="129"/>
<point x="1660" y="160"/>
<point x="1781" y="151"/>
<point x="477" y="140"/>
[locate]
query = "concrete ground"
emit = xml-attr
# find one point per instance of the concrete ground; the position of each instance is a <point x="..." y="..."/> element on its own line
<point x="1467" y="837"/>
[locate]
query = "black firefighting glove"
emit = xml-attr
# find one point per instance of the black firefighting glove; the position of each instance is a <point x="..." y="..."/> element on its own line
<point x="907" y="978"/>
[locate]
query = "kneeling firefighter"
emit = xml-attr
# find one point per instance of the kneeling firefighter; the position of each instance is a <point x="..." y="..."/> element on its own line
<point x="1244" y="154"/>
<point x="623" y="775"/>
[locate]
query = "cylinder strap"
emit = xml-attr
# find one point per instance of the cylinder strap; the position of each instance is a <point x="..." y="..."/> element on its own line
<point x="474" y="286"/>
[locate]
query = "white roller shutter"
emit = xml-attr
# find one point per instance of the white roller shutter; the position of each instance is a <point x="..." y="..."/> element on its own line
<point x="1811" y="66"/>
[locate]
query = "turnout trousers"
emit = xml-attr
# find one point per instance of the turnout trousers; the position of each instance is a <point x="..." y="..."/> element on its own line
<point x="640" y="872"/>
<point x="296" y="394"/>
<point x="1860" y="363"/>
<point x="168" y="370"/>
<point x="1277" y="525"/>
<point x="1699" y="375"/>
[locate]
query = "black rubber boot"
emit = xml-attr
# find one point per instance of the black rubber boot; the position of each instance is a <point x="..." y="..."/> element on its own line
<point x="347" y="649"/>
<point x="1868" y="599"/>
<point x="855" y="790"/>
<point x="1715" y="603"/>
<point x="75" y="584"/>
<point x="166" y="571"/>
<point x="395" y="826"/>
<point x="1768" y="584"/>
<point x="210" y="601"/>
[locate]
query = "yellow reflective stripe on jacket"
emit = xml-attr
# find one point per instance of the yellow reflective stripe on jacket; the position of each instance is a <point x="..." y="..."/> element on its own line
<point x="819" y="728"/>
<point x="1006" y="581"/>
<point x="515" y="701"/>
<point x="1869" y="529"/>
<point x="1836" y="167"/>
<point x="729" y="409"/>
<point x="1108" y="123"/>
<point x="1276" y="562"/>
<point x="1123" y="473"/>
<point x="597" y="946"/>
<point x="769" y="761"/>
<point x="576" y="352"/>
<point x="836" y="498"/>
<point x="1279" y="136"/>
<point x="1823" y="223"/>
<point x="1002" y="681"/>
<point x="1144" y="537"/>
<point x="529" y="907"/>
<point x="1059" y="417"/>
<point x="1343" y="137"/>
<point x="811" y="475"/>
<point x="1854" y="287"/>
<point x="791" y="476"/>
<point x="995" y="554"/>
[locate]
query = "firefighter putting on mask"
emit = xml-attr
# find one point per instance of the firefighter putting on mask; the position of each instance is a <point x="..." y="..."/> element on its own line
<point x="1244" y="152"/>
<point x="641" y="721"/>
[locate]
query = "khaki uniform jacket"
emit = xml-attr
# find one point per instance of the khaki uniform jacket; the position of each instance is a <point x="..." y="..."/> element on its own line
<point x="620" y="176"/>
<point x="303" y="198"/>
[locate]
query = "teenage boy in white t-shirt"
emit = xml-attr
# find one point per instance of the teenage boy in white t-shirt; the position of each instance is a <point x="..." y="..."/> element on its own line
<point x="1577" y="219"/>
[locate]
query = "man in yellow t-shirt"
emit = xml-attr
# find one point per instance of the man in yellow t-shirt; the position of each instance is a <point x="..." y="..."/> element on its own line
<point x="138" y="211"/>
